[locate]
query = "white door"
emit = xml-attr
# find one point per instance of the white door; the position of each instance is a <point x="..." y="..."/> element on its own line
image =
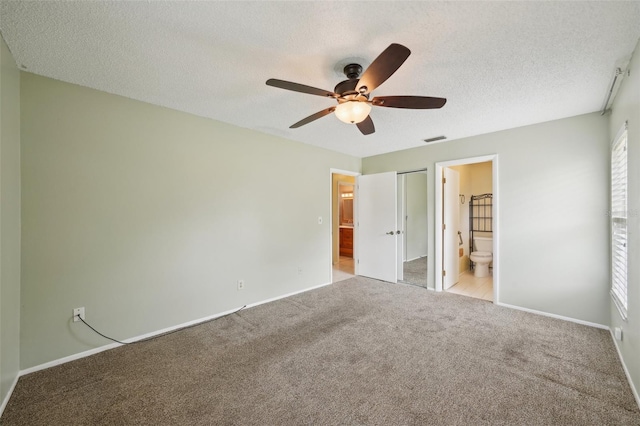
<point x="451" y="223"/>
<point x="401" y="227"/>
<point x="377" y="226"/>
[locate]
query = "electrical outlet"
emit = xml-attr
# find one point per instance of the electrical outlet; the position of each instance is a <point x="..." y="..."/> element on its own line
<point x="76" y="312"/>
<point x="617" y="332"/>
<point x="240" y="284"/>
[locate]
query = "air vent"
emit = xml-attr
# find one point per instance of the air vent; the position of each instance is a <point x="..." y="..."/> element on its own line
<point x="437" y="138"/>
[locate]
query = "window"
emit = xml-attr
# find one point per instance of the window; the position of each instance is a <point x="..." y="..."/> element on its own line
<point x="618" y="214"/>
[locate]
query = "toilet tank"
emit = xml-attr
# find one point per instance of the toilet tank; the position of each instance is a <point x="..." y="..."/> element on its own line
<point x="483" y="244"/>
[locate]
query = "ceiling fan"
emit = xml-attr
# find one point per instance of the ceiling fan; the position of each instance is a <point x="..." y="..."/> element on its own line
<point x="352" y="95"/>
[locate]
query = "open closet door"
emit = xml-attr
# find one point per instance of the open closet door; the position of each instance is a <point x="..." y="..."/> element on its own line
<point x="377" y="226"/>
<point x="451" y="224"/>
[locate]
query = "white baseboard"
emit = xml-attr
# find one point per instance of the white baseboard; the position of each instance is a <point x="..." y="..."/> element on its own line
<point x="415" y="258"/>
<point x="547" y="314"/>
<point x="69" y="358"/>
<point x="626" y="370"/>
<point x="211" y="317"/>
<point x="5" y="401"/>
<point x="90" y="352"/>
<point x="273" y="299"/>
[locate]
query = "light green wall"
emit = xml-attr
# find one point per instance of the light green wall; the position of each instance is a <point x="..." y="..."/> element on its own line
<point x="553" y="196"/>
<point x="626" y="107"/>
<point x="147" y="217"/>
<point x="9" y="221"/>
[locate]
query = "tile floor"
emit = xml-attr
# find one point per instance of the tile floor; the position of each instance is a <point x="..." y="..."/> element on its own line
<point x="480" y="288"/>
<point x="345" y="268"/>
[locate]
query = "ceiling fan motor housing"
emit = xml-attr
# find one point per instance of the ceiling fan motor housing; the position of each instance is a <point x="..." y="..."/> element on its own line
<point x="348" y="87"/>
<point x="352" y="71"/>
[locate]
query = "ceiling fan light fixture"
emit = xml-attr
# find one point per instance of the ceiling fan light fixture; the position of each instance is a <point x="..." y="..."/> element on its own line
<point x="353" y="94"/>
<point x="352" y="112"/>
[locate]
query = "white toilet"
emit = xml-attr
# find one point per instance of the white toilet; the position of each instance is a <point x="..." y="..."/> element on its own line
<point x="483" y="256"/>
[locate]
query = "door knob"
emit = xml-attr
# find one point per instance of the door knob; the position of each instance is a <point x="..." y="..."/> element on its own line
<point x="391" y="233"/>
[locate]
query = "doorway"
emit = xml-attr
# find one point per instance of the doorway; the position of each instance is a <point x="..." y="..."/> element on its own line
<point x="343" y="196"/>
<point x="413" y="225"/>
<point x="467" y="222"/>
<point x="392" y="226"/>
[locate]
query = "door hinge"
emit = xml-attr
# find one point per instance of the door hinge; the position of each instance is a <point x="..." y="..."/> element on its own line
<point x="444" y="226"/>
<point x="444" y="180"/>
<point x="444" y="273"/>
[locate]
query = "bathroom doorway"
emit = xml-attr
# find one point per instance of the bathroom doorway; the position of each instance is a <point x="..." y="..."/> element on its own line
<point x="343" y="195"/>
<point x="468" y="221"/>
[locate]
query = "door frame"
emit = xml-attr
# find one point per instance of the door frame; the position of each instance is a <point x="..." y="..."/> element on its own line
<point x="439" y="166"/>
<point x="333" y="171"/>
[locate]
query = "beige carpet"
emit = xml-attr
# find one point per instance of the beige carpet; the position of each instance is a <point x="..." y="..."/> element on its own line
<point x="415" y="272"/>
<point x="359" y="352"/>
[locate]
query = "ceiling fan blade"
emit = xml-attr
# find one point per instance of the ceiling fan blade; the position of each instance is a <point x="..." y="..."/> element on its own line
<point x="383" y="67"/>
<point x="300" y="88"/>
<point x="411" y="102"/>
<point x="366" y="126"/>
<point x="312" y="117"/>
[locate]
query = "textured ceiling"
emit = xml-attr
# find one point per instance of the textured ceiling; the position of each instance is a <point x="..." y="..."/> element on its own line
<point x="499" y="64"/>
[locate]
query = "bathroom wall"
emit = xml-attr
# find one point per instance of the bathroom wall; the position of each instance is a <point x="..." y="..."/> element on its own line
<point x="553" y="188"/>
<point x="481" y="179"/>
<point x="465" y="189"/>
<point x="148" y="217"/>
<point x="626" y="107"/>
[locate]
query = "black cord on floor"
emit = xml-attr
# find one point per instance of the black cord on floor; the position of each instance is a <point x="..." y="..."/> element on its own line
<point x="159" y="335"/>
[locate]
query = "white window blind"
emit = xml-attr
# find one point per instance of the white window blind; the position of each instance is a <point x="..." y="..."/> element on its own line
<point x="619" y="221"/>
